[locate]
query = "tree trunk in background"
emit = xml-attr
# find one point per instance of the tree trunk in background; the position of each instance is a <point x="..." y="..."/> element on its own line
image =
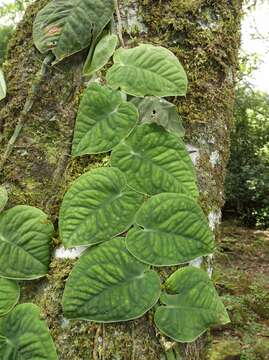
<point x="204" y="34"/>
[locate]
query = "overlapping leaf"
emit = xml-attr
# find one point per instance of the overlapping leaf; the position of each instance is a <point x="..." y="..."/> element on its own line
<point x="98" y="206"/>
<point x="24" y="336"/>
<point x="68" y="26"/>
<point x="9" y="295"/>
<point x="155" y="161"/>
<point x="3" y="87"/>
<point x="191" y="306"/>
<point x="115" y="286"/>
<point x="103" y="120"/>
<point x="161" y="112"/>
<point x="104" y="49"/>
<point x="147" y="70"/>
<point x="174" y="231"/>
<point x="25" y="235"/>
<point x="3" y="197"/>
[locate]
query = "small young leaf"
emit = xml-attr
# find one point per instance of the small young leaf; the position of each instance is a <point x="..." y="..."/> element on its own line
<point x="24" y="336"/>
<point x="3" y="88"/>
<point x="97" y="207"/>
<point x="174" y="231"/>
<point x="161" y="112"/>
<point x="103" y="120"/>
<point x="147" y="70"/>
<point x="9" y="295"/>
<point x="155" y="161"/>
<point x="115" y="286"/>
<point x="104" y="49"/>
<point x="192" y="305"/>
<point x="25" y="235"/>
<point x="66" y="27"/>
<point x="3" y="197"/>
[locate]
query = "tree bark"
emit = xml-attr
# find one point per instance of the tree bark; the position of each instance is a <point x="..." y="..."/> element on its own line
<point x="205" y="35"/>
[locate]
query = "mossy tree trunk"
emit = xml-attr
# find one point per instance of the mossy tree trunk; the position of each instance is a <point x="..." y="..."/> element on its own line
<point x="204" y="34"/>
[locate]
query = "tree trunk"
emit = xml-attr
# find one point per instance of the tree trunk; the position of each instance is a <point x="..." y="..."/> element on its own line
<point x="204" y="34"/>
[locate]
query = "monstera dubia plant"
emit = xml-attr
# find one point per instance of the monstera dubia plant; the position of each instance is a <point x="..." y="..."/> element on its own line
<point x="136" y="215"/>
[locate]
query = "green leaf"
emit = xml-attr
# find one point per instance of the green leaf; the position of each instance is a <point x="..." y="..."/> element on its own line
<point x="155" y="161"/>
<point x="24" y="336"/>
<point x="108" y="284"/>
<point x="98" y="206"/>
<point x="25" y="235"/>
<point x="3" y="88"/>
<point x="147" y="70"/>
<point x="161" y="112"/>
<point x="66" y="27"/>
<point x="174" y="231"/>
<point x="191" y="306"/>
<point x="9" y="295"/>
<point x="3" y="197"/>
<point x="104" y="49"/>
<point x="103" y="120"/>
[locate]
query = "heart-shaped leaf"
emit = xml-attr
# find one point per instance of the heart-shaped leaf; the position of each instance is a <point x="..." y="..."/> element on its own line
<point x="108" y="284"/>
<point x="104" y="49"/>
<point x="9" y="295"/>
<point x="24" y="336"/>
<point x="147" y="70"/>
<point x="3" y="197"/>
<point x="174" y="231"/>
<point x="192" y="305"/>
<point x="25" y="235"/>
<point x="161" y="112"/>
<point x="3" y="88"/>
<point x="104" y="119"/>
<point x="68" y="26"/>
<point x="155" y="161"/>
<point x="98" y="206"/>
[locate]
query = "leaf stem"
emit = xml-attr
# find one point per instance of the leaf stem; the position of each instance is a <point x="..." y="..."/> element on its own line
<point x="27" y="108"/>
<point x="119" y="24"/>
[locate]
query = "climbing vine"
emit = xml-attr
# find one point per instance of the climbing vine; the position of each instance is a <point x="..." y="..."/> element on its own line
<point x="141" y="213"/>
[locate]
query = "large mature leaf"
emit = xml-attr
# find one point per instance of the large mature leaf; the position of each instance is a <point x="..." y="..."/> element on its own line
<point x="98" y="206"/>
<point x="68" y="26"/>
<point x="108" y="284"/>
<point x="192" y="305"/>
<point x="155" y="161"/>
<point x="9" y="295"/>
<point x="174" y="231"/>
<point x="104" y="49"/>
<point x="25" y="235"/>
<point x="3" y="88"/>
<point x="3" y="197"/>
<point x="161" y="112"/>
<point x="104" y="119"/>
<point x="147" y="70"/>
<point x="24" y="336"/>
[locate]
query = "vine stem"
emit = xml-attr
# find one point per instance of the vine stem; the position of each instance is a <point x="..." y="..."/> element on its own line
<point x="27" y="108"/>
<point x="119" y="24"/>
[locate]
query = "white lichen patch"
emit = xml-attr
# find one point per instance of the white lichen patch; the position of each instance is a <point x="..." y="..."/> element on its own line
<point x="73" y="253"/>
<point x="214" y="219"/>
<point x="215" y="158"/>
<point x="194" y="153"/>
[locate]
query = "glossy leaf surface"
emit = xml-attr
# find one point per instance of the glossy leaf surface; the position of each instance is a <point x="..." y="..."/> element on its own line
<point x="174" y="231"/>
<point x="3" y="88"/>
<point x="25" y="336"/>
<point x="104" y="49"/>
<point x="25" y="235"/>
<point x="3" y="197"/>
<point x="155" y="161"/>
<point x="103" y="120"/>
<point x="98" y="206"/>
<point x="9" y="295"/>
<point x="68" y="26"/>
<point x="191" y="306"/>
<point x="160" y="112"/>
<point x="108" y="284"/>
<point x="147" y="70"/>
